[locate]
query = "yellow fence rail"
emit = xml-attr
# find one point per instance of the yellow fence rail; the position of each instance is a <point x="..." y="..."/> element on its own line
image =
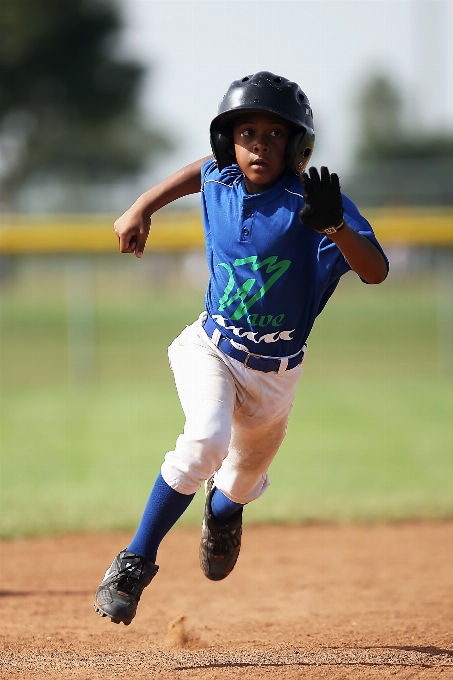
<point x="173" y="231"/>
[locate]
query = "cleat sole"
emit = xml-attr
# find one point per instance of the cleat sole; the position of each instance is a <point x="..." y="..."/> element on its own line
<point x="103" y="614"/>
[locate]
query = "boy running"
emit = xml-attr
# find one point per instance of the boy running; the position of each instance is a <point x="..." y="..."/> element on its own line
<point x="278" y="241"/>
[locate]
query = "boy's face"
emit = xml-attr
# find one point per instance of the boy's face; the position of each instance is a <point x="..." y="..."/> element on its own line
<point x="259" y="144"/>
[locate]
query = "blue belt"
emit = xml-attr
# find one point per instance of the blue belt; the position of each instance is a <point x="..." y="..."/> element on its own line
<point x="254" y="361"/>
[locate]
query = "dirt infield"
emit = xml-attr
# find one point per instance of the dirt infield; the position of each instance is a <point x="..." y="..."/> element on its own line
<point x="303" y="602"/>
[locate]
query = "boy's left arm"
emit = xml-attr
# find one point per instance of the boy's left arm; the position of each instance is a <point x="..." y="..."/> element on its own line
<point x="323" y="212"/>
<point x="361" y="254"/>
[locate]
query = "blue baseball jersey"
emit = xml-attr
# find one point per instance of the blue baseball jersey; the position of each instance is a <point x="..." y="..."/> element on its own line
<point x="270" y="276"/>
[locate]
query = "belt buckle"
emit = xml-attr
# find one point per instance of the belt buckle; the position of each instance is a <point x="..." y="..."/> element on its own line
<point x="259" y="356"/>
<point x="250" y="354"/>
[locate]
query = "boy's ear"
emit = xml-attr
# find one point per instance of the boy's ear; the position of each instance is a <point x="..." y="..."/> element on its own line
<point x="232" y="151"/>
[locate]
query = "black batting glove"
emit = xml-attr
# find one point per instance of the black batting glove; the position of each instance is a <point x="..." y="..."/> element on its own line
<point x="323" y="210"/>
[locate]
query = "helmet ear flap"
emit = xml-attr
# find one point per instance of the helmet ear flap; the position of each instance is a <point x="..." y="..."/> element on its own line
<point x="299" y="150"/>
<point x="221" y="145"/>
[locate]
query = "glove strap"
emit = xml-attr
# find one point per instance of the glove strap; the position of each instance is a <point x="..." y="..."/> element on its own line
<point x="333" y="230"/>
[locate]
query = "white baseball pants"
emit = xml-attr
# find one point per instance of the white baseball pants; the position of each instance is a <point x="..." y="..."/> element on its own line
<point x="236" y="418"/>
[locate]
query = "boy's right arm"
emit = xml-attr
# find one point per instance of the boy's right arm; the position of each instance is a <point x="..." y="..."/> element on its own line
<point x="133" y="227"/>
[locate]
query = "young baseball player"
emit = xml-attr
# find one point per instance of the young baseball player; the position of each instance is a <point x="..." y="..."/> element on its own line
<point x="277" y="242"/>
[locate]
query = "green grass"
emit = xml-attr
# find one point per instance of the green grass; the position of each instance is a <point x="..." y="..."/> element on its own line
<point x="370" y="436"/>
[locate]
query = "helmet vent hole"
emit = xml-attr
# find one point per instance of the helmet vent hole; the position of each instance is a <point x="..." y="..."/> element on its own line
<point x="307" y="152"/>
<point x="244" y="80"/>
<point x="277" y="79"/>
<point x="301" y="96"/>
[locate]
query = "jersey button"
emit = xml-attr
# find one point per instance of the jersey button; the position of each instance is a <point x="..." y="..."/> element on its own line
<point x="245" y="231"/>
<point x="247" y="213"/>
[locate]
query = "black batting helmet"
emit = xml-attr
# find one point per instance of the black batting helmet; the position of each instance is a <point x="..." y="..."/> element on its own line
<point x="264" y="91"/>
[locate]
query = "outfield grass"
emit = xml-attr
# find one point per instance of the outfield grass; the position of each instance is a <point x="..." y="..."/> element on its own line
<point x="370" y="437"/>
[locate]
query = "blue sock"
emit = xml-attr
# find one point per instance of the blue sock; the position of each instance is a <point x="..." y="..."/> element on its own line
<point x="222" y="507"/>
<point x="164" y="507"/>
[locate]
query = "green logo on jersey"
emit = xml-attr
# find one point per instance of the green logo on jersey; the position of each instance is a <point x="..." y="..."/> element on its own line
<point x="277" y="269"/>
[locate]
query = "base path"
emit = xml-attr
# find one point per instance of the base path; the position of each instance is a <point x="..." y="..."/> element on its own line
<point x="316" y="601"/>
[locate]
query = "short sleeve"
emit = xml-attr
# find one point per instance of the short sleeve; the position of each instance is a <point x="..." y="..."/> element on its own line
<point x="207" y="169"/>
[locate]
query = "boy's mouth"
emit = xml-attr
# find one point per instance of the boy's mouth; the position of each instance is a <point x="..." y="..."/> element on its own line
<point x="259" y="163"/>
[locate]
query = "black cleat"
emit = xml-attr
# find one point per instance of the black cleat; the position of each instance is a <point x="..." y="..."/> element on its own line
<point x="122" y="586"/>
<point x="220" y="541"/>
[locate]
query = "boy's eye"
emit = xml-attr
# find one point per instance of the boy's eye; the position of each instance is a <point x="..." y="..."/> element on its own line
<point x="250" y="132"/>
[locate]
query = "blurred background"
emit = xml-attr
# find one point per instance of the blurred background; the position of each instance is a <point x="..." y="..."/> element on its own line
<point x="99" y="99"/>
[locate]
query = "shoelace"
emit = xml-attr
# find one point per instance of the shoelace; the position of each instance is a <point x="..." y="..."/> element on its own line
<point x="224" y="542"/>
<point x="128" y="576"/>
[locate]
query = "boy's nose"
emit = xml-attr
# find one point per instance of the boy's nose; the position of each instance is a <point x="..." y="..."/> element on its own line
<point x="261" y="143"/>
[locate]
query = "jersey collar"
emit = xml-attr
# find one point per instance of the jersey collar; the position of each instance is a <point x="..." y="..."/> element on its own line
<point x="257" y="200"/>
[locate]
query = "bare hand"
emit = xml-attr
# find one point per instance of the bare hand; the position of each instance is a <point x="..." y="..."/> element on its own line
<point x="132" y="230"/>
